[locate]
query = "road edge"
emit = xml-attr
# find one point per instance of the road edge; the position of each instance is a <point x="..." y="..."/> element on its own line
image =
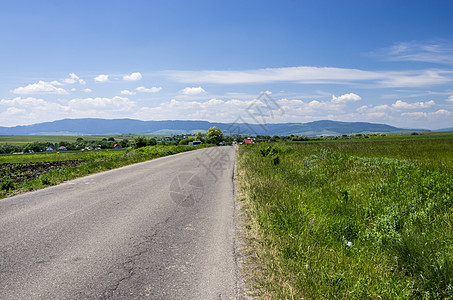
<point x="240" y="242"/>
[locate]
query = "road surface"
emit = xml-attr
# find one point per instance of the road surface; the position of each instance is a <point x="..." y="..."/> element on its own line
<point x="162" y="229"/>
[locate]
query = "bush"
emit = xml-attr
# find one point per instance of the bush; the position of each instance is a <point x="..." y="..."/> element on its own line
<point x="7" y="184"/>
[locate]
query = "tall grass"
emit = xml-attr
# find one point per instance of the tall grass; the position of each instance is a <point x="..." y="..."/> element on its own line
<point x="349" y="220"/>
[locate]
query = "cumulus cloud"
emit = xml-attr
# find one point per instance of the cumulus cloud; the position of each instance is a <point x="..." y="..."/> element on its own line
<point x="87" y="90"/>
<point x="127" y="92"/>
<point x="148" y="90"/>
<point x="213" y="109"/>
<point x="441" y="112"/>
<point x="377" y="108"/>
<point x="133" y="77"/>
<point x="14" y="111"/>
<point x="430" y="115"/>
<point x="450" y="99"/>
<point x="25" y="102"/>
<point x="55" y="82"/>
<point x="398" y="106"/>
<point x="101" y="102"/>
<point x="252" y="111"/>
<point x="346" y="98"/>
<point x="33" y="110"/>
<point x="404" y="105"/>
<point x="101" y="78"/>
<point x="41" y="87"/>
<point x="193" y="91"/>
<point x="73" y="78"/>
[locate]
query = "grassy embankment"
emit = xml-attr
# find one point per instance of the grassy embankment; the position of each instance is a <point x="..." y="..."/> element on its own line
<point x="26" y="172"/>
<point x="349" y="220"/>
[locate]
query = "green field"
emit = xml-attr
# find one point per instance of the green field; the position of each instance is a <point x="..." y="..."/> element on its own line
<point x="31" y="171"/>
<point x="349" y="219"/>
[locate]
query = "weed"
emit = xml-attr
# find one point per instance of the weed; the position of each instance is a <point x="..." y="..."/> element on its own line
<point x="351" y="220"/>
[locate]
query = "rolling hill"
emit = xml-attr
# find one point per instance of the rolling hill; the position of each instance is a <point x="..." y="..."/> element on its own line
<point x="91" y="126"/>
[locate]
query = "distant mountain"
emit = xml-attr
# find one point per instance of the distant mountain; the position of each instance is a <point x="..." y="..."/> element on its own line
<point x="124" y="126"/>
<point x="445" y="129"/>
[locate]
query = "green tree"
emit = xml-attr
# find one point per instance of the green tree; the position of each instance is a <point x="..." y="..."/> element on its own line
<point x="140" y="141"/>
<point x="199" y="136"/>
<point x="125" y="143"/>
<point x="186" y="141"/>
<point x="152" y="142"/>
<point x="214" y="135"/>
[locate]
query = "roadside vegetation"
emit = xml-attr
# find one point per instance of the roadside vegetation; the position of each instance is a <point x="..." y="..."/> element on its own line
<point x="31" y="171"/>
<point x="350" y="217"/>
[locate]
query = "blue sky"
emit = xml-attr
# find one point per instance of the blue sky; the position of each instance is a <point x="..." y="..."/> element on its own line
<point x="375" y="61"/>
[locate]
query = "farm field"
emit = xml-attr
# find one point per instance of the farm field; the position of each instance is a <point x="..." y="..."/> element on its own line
<point x="31" y="171"/>
<point x="349" y="219"/>
<point x="25" y="139"/>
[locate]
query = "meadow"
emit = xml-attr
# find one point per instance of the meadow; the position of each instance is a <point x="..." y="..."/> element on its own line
<point x="31" y="171"/>
<point x="349" y="219"/>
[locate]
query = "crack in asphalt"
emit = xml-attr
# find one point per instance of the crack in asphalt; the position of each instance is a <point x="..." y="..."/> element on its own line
<point x="129" y="264"/>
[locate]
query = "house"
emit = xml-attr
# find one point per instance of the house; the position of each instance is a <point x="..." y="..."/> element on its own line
<point x="62" y="148"/>
<point x="51" y="149"/>
<point x="117" y="146"/>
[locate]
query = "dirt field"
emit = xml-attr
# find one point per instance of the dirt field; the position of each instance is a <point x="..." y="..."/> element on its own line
<point x="19" y="172"/>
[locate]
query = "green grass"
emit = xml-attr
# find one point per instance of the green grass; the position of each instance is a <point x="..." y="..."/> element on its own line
<point x="342" y="220"/>
<point x="60" y="156"/>
<point x="90" y="162"/>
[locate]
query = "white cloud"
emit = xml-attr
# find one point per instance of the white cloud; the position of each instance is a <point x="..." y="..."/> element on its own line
<point x="32" y="110"/>
<point x="133" y="77"/>
<point x="393" y="112"/>
<point x="450" y="99"/>
<point x="433" y="52"/>
<point x="87" y="90"/>
<point x="346" y="98"/>
<point x="115" y="103"/>
<point x="73" y="90"/>
<point x="416" y="105"/>
<point x="441" y="113"/>
<point x="127" y="92"/>
<point x="148" y="90"/>
<point x="41" y="87"/>
<point x="25" y="102"/>
<point x="14" y="111"/>
<point x="73" y="78"/>
<point x="316" y="105"/>
<point x="101" y="78"/>
<point x="56" y="83"/>
<point x="219" y="110"/>
<point x="317" y="75"/>
<point x="417" y="114"/>
<point x="193" y="91"/>
<point x="29" y="110"/>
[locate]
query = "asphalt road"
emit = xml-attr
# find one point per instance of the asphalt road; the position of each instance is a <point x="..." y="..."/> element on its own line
<point x="162" y="229"/>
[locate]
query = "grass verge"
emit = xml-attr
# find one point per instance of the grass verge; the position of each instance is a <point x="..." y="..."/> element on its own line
<point x="349" y="220"/>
